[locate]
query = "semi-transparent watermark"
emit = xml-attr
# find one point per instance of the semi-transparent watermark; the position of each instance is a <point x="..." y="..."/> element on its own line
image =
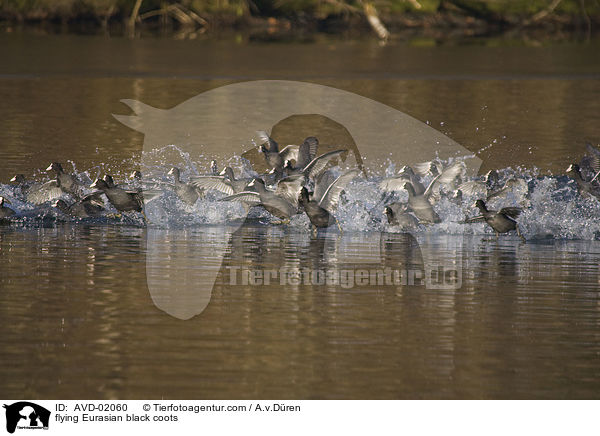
<point x="222" y="122"/>
<point x="346" y="278"/>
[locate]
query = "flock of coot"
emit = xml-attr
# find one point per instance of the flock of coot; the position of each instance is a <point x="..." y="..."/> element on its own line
<point x="299" y="181"/>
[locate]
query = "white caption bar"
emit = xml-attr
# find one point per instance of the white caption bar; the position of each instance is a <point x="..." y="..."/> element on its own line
<point x="23" y="417"/>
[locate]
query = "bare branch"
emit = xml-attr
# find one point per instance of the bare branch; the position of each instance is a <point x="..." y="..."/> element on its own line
<point x="415" y="4"/>
<point x="375" y="22"/>
<point x="134" y="13"/>
<point x="543" y="13"/>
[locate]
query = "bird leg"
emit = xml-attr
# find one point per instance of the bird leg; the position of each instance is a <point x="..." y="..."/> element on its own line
<point x="497" y="234"/>
<point x="519" y="233"/>
<point x="145" y="217"/>
<point x="339" y="226"/>
<point x="314" y="231"/>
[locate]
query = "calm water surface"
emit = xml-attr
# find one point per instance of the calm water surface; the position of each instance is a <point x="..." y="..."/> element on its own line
<point x="80" y="322"/>
<point x="79" y="319"/>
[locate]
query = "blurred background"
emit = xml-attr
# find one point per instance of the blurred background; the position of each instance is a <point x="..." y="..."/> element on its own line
<point x="189" y="18"/>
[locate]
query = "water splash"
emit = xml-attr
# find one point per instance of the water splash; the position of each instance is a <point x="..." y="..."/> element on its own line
<point x="552" y="209"/>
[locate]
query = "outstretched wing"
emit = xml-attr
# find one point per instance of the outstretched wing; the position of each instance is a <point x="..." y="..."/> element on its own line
<point x="429" y="189"/>
<point x="511" y="212"/>
<point x="211" y="182"/>
<point x="94" y="198"/>
<point x="475" y="219"/>
<point x="424" y="169"/>
<point x="249" y="197"/>
<point x="289" y="188"/>
<point x="303" y="155"/>
<point x="451" y="172"/>
<point x="313" y="144"/>
<point x="266" y="139"/>
<point x="307" y="151"/>
<point x="290" y="153"/>
<point x="318" y="164"/>
<point x="147" y="195"/>
<point x="447" y="178"/>
<point x="46" y="192"/>
<point x="473" y="187"/>
<point x="394" y="183"/>
<point x="594" y="155"/>
<point x="518" y="187"/>
<point x="322" y="183"/>
<point x="331" y="197"/>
